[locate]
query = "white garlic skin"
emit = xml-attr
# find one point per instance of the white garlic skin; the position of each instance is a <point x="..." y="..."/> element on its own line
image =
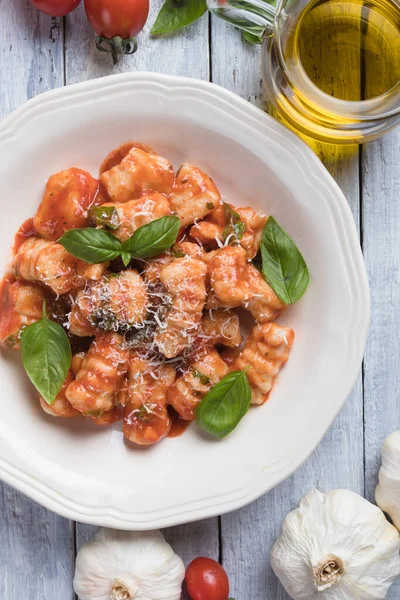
<point x="339" y="524"/>
<point x="387" y="494"/>
<point x="127" y="565"/>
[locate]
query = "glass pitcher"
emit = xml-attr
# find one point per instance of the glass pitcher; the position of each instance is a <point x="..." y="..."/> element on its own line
<point x="331" y="68"/>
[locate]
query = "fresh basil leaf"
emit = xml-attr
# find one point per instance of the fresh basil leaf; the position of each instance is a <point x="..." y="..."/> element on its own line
<point x="91" y="245"/>
<point x="126" y="258"/>
<point x="235" y="226"/>
<point x="175" y="14"/>
<point x="203" y="378"/>
<point x="177" y="252"/>
<point x="225" y="404"/>
<point x="46" y="356"/>
<point x="282" y="264"/>
<point x="14" y="338"/>
<point x="153" y="238"/>
<point x="105" y="216"/>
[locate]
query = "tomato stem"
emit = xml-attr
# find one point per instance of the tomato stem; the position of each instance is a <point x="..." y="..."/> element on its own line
<point x="116" y="46"/>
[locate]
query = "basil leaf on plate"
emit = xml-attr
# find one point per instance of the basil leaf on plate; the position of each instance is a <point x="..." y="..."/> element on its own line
<point x="126" y="258"/>
<point x="46" y="356"/>
<point x="91" y="245"/>
<point x="175" y="14"/>
<point x="105" y="216"/>
<point x="202" y="378"/>
<point x="97" y="245"/>
<point x="221" y="409"/>
<point x="235" y="226"/>
<point x="153" y="238"/>
<point x="282" y="264"/>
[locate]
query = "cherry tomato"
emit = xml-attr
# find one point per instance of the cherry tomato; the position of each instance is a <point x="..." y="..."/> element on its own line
<point x="56" y="8"/>
<point x="206" y="580"/>
<point x="110" y="18"/>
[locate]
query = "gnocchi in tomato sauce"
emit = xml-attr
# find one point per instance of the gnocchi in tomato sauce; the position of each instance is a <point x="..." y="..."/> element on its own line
<point x="151" y="337"/>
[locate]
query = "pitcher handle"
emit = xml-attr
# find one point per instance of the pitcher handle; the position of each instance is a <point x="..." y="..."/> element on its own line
<point x="254" y="16"/>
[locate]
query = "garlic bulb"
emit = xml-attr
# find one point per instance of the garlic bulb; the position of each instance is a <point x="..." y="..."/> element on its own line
<point x="387" y="494"/>
<point x="123" y="565"/>
<point x="336" y="546"/>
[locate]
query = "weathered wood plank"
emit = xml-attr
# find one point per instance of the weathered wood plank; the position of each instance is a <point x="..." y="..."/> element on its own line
<point x="30" y="54"/>
<point x="36" y="557"/>
<point x="182" y="54"/>
<point x="36" y="550"/>
<point x="381" y="218"/>
<point x="248" y="534"/>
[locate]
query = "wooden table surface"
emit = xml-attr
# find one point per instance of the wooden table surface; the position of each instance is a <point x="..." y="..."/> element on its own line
<point x="37" y="547"/>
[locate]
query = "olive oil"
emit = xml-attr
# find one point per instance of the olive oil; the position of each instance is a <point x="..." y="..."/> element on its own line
<point x="350" y="49"/>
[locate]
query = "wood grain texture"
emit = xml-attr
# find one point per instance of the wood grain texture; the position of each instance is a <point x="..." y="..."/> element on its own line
<point x="248" y="534"/>
<point x="381" y="218"/>
<point x="31" y="59"/>
<point x="36" y="558"/>
<point x="36" y="550"/>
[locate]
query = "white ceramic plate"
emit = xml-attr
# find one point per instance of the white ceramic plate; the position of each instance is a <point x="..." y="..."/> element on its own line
<point x="89" y="474"/>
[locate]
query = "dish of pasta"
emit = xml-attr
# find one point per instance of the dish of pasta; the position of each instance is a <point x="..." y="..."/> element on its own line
<point x="126" y="295"/>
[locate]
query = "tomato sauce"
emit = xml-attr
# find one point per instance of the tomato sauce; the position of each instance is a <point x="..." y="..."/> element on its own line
<point x="179" y="425"/>
<point x="66" y="202"/>
<point x="10" y="320"/>
<point x="26" y="231"/>
<point x="101" y="196"/>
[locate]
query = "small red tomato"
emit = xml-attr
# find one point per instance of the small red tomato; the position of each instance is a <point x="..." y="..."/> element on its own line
<point x="56" y="8"/>
<point x="206" y="580"/>
<point x="116" y="23"/>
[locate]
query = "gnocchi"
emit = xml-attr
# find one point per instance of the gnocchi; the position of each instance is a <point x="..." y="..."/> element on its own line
<point x="155" y="334"/>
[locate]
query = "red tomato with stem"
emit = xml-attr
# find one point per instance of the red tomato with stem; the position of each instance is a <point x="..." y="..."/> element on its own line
<point x="206" y="580"/>
<point x="116" y="23"/>
<point x="56" y="8"/>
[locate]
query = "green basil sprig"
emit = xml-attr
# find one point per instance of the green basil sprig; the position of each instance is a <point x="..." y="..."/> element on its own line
<point x="282" y="264"/>
<point x="153" y="238"/>
<point x="91" y="245"/>
<point x="175" y="14"/>
<point x="96" y="245"/>
<point x="46" y="356"/>
<point x="221" y="409"/>
<point x="235" y="226"/>
<point x="104" y="216"/>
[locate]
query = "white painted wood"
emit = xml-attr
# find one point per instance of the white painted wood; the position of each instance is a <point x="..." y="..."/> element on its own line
<point x="381" y="218"/>
<point x="36" y="546"/>
<point x="248" y="534"/>
<point x="36" y="550"/>
<point x="30" y="53"/>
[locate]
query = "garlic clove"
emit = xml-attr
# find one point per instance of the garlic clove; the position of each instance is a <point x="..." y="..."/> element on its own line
<point x="123" y="565"/>
<point x="387" y="493"/>
<point x="336" y="546"/>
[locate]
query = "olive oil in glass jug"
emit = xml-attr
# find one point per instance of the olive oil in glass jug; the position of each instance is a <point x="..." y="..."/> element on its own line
<point x="331" y="68"/>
